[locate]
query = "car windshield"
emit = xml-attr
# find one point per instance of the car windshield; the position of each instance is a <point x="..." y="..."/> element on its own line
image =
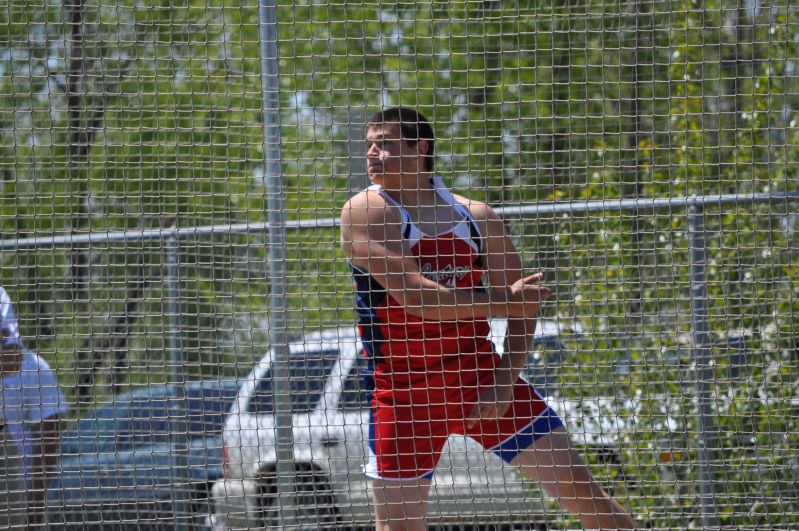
<point x="309" y="371"/>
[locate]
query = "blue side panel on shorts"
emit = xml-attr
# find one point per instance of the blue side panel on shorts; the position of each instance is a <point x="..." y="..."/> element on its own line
<point x="544" y="424"/>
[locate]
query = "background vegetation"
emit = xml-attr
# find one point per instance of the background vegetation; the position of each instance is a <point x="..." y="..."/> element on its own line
<point x="131" y="115"/>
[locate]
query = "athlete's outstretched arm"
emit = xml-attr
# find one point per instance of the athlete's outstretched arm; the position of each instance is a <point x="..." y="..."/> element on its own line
<point x="503" y="269"/>
<point x="371" y="238"/>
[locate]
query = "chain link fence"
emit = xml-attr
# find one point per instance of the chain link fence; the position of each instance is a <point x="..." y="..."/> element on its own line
<point x="171" y="177"/>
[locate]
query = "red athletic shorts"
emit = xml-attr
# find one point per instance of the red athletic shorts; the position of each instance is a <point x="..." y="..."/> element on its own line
<point x="406" y="439"/>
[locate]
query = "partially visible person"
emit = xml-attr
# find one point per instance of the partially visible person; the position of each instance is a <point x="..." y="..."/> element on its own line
<point x="33" y="405"/>
<point x="13" y="506"/>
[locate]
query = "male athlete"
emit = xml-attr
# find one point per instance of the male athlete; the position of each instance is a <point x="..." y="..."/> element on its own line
<point x="430" y="269"/>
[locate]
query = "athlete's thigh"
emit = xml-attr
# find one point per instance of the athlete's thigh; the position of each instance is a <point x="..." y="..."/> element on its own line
<point x="557" y="467"/>
<point x="555" y="464"/>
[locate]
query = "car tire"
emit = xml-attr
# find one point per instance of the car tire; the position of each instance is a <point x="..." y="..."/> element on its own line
<point x="314" y="501"/>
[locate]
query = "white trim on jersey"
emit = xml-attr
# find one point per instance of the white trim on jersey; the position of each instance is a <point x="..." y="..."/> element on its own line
<point x="461" y="229"/>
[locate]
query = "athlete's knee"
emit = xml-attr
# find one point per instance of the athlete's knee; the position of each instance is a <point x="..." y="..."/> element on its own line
<point x="400" y="499"/>
<point x="393" y="513"/>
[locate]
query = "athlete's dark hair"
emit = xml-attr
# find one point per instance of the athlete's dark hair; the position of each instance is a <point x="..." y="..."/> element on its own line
<point x="413" y="128"/>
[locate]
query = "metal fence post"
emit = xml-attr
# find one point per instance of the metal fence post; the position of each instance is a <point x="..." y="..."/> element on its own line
<point x="177" y="406"/>
<point x="281" y="387"/>
<point x="703" y="367"/>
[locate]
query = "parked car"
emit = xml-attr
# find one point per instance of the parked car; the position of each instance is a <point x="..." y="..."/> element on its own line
<point x="330" y="405"/>
<point x="117" y="463"/>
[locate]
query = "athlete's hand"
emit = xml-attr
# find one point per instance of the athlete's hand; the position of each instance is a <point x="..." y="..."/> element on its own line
<point x="526" y="296"/>
<point x="494" y="401"/>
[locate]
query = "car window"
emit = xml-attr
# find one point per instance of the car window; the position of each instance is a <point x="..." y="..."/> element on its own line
<point x="308" y="373"/>
<point x="142" y="417"/>
<point x="356" y="393"/>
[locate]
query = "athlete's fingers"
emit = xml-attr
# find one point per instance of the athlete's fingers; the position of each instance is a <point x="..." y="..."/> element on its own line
<point x="473" y="417"/>
<point x="501" y="409"/>
<point x="489" y="412"/>
<point x="495" y="411"/>
<point x="528" y="281"/>
<point x="544" y="294"/>
<point x="534" y="292"/>
<point x="533" y="279"/>
<point x="531" y="286"/>
<point x="480" y="412"/>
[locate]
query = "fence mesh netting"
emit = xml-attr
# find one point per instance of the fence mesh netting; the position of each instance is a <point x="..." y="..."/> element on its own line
<point x="180" y="348"/>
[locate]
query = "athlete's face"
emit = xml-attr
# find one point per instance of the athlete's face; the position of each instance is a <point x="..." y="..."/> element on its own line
<point x="389" y="157"/>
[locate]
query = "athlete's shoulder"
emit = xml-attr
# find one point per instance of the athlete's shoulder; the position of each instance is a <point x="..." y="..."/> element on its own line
<point x="479" y="210"/>
<point x="368" y="198"/>
<point x="368" y="206"/>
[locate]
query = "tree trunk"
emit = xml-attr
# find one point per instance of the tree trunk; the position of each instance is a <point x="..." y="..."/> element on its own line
<point x="118" y="338"/>
<point x="632" y="182"/>
<point x="85" y="117"/>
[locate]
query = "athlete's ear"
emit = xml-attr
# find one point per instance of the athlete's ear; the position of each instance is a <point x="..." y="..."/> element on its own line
<point x="424" y="147"/>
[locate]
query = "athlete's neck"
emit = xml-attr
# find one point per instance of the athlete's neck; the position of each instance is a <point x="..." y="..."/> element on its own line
<point x="416" y="192"/>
